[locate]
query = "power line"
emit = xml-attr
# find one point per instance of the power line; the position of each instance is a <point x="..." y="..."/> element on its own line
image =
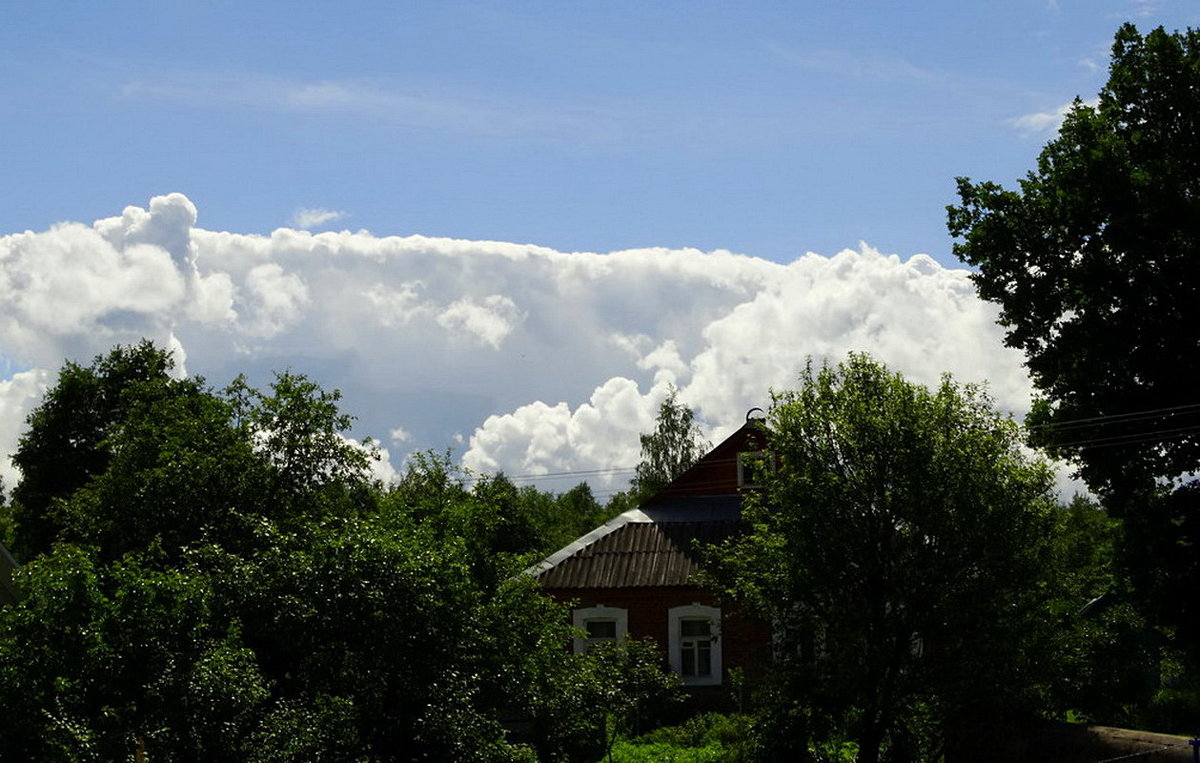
<point x="1153" y="413"/>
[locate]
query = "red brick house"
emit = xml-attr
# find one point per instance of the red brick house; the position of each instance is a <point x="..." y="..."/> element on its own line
<point x="634" y="575"/>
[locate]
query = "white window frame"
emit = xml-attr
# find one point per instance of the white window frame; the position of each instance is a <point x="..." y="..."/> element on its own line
<point x="580" y="617"/>
<point x="675" y="616"/>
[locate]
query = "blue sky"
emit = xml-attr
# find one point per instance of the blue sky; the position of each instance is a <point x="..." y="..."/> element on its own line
<point x="510" y="228"/>
<point x="768" y="128"/>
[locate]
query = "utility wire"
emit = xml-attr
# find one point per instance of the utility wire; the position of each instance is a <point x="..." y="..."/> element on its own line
<point x="1153" y="413"/>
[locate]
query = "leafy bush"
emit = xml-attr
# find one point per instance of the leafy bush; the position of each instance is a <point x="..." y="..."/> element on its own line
<point x="704" y="738"/>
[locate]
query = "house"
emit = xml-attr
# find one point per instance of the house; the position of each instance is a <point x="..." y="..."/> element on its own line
<point x="635" y="575"/>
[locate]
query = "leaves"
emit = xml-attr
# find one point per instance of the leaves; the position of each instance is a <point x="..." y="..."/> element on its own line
<point x="899" y="548"/>
<point x="1093" y="264"/>
<point x="218" y="578"/>
<point x="675" y="444"/>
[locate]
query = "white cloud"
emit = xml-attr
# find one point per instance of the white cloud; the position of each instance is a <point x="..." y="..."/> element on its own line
<point x="71" y="288"/>
<point x="549" y="361"/>
<point x="18" y="395"/>
<point x="665" y="361"/>
<point x="917" y="317"/>
<point x="306" y="217"/>
<point x="167" y="225"/>
<point x="277" y="298"/>
<point x="540" y="439"/>
<point x="1046" y="122"/>
<point x="489" y="321"/>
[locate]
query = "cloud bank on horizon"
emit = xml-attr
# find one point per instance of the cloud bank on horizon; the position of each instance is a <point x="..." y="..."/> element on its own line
<point x="525" y="359"/>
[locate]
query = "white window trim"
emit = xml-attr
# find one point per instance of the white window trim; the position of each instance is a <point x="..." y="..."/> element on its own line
<point x="675" y="615"/>
<point x="580" y="616"/>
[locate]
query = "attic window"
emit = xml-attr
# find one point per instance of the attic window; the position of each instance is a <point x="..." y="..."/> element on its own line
<point x="751" y="466"/>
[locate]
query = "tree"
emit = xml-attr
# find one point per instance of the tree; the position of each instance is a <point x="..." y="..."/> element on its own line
<point x="675" y="444"/>
<point x="6" y="520"/>
<point x="221" y="580"/>
<point x="1093" y="261"/>
<point x="64" y="445"/>
<point x="298" y="427"/>
<point x="898" y="548"/>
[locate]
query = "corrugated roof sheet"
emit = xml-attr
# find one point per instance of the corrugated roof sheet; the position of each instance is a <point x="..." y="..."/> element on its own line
<point x="638" y="554"/>
<point x="653" y="545"/>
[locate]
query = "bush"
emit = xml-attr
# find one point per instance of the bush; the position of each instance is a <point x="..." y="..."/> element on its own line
<point x="704" y="738"/>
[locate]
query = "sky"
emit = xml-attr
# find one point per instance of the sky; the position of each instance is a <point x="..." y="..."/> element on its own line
<point x="508" y="228"/>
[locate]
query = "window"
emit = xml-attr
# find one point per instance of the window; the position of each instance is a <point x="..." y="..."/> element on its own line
<point x="750" y="468"/>
<point x="600" y="624"/>
<point x="600" y="629"/>
<point x="695" y="645"/>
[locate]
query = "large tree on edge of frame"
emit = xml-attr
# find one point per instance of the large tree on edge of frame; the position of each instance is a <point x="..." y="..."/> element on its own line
<point x="898" y="548"/>
<point x="1095" y="263"/>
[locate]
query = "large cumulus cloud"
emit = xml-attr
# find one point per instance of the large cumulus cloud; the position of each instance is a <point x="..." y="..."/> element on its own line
<point x="538" y="361"/>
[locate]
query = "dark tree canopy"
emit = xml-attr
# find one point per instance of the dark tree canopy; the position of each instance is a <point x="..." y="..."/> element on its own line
<point x="65" y="444"/>
<point x="1095" y="263"/>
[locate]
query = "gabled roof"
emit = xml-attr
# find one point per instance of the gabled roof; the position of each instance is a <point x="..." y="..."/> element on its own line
<point x="638" y="555"/>
<point x="717" y="472"/>
<point x="655" y="544"/>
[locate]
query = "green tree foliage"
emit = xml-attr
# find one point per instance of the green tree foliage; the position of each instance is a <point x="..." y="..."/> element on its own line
<point x="6" y="519"/>
<point x="495" y="515"/>
<point x="592" y="699"/>
<point x="900" y="548"/>
<point x="1093" y="261"/>
<point x="65" y="445"/>
<point x="1107" y="665"/>
<point x="297" y="428"/>
<point x="219" y="579"/>
<point x="574" y="513"/>
<point x="675" y="444"/>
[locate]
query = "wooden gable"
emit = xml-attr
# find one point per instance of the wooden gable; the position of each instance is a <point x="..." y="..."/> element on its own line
<point x="717" y="473"/>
